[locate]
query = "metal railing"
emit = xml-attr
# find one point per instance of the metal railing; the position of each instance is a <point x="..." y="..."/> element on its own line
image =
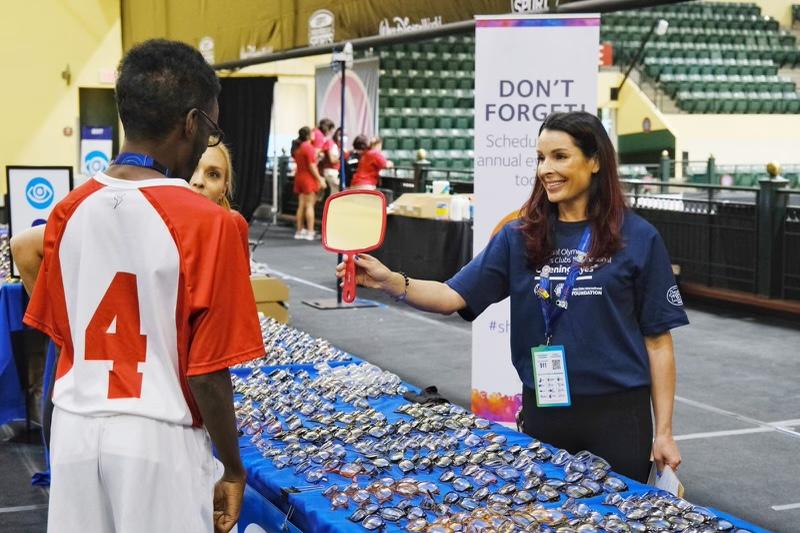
<point x="710" y="231"/>
<point x="790" y="268"/>
<point x="740" y="238"/>
<point x="420" y="177"/>
<point x="728" y="237"/>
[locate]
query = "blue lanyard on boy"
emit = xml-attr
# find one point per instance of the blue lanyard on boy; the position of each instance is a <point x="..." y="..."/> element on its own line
<point x="552" y="308"/>
<point x="141" y="160"/>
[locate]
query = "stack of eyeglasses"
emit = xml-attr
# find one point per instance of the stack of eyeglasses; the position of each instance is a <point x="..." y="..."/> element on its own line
<point x="662" y="511"/>
<point x="271" y="403"/>
<point x="419" y="505"/>
<point x="291" y="417"/>
<point x="5" y="253"/>
<point x="286" y="345"/>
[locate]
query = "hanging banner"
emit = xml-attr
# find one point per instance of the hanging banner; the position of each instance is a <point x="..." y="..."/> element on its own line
<point x="95" y="149"/>
<point x="257" y="27"/>
<point x="32" y="194"/>
<point x="549" y="64"/>
<point x="361" y="97"/>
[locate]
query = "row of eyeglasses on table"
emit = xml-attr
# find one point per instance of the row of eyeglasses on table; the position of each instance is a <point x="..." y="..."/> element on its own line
<point x="389" y="464"/>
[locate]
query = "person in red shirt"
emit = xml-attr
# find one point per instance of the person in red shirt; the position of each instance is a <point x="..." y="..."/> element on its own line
<point x="138" y="272"/>
<point x="307" y="183"/>
<point x="213" y="178"/>
<point x="370" y="165"/>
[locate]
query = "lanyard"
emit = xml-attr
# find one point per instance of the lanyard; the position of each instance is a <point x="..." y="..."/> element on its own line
<point x="552" y="308"/>
<point x="141" y="160"/>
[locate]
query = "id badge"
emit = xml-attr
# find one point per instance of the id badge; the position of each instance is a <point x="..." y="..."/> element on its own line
<point x="550" y="376"/>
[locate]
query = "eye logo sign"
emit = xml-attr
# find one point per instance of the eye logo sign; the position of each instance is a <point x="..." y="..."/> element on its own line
<point x="95" y="161"/>
<point x="40" y="193"/>
<point x="674" y="296"/>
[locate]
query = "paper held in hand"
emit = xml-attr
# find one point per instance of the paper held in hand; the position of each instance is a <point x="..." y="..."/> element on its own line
<point x="667" y="480"/>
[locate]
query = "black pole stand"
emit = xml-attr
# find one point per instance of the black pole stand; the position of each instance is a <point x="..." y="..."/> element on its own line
<point x="340" y="61"/>
<point x="616" y="90"/>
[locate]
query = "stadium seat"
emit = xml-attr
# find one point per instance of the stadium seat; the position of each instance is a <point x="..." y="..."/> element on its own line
<point x="408" y="143"/>
<point x="412" y="122"/>
<point x="441" y="143"/>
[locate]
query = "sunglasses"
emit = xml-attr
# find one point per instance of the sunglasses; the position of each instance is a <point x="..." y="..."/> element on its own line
<point x="216" y="136"/>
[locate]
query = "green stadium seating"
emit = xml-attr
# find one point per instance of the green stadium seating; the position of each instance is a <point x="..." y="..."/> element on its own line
<point x="716" y="57"/>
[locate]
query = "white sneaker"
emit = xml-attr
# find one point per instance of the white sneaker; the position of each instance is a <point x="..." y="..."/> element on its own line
<point x="310" y="235"/>
<point x="300" y="234"/>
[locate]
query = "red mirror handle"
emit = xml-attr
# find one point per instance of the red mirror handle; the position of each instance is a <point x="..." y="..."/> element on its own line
<point x="349" y="288"/>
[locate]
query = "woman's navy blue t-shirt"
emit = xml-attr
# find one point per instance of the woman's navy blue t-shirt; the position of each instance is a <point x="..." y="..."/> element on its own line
<point x="612" y="308"/>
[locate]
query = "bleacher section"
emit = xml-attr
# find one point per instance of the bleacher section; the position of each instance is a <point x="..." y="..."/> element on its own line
<point x="715" y="58"/>
<point x="426" y="101"/>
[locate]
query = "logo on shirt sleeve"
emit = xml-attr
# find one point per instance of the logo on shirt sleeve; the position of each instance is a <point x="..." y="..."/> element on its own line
<point x="674" y="296"/>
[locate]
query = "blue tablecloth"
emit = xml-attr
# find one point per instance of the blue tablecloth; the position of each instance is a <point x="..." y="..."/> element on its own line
<point x="259" y="511"/>
<point x="265" y="503"/>
<point x="13" y="302"/>
<point x="311" y="511"/>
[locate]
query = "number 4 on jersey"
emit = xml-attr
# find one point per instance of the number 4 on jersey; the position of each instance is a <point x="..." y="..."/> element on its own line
<point x="113" y="334"/>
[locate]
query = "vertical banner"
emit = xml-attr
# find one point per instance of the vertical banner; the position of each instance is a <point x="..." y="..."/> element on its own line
<point x="361" y="97"/>
<point x="526" y="67"/>
<point x="96" y="146"/>
<point x="32" y="194"/>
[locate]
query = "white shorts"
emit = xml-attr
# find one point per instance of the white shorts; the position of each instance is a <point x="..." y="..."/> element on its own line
<point x="129" y="474"/>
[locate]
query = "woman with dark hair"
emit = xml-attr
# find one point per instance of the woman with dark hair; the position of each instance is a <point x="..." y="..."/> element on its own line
<point x="592" y="296"/>
<point x="353" y="157"/>
<point x="372" y="161"/>
<point x="307" y="183"/>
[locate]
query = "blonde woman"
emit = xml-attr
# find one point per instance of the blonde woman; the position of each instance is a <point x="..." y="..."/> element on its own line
<point x="213" y="178"/>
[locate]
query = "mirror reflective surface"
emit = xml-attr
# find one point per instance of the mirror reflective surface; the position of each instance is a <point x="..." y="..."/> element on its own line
<point x="354" y="221"/>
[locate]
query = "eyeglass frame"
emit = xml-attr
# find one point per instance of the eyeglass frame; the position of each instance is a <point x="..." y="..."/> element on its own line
<point x="216" y="131"/>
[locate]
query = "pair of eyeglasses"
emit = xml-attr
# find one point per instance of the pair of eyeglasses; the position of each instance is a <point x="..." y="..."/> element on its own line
<point x="217" y="135"/>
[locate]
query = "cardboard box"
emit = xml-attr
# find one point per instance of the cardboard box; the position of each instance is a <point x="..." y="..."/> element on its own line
<point x="267" y="289"/>
<point x="276" y="310"/>
<point x="423" y="205"/>
<point x="272" y="296"/>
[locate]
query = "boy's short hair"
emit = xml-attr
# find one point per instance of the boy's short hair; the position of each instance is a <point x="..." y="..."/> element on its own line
<point x="158" y="82"/>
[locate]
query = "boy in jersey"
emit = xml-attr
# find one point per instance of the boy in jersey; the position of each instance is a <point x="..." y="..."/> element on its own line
<point x="144" y="288"/>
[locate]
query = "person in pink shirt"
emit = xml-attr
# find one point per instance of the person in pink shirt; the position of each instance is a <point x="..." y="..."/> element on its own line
<point x="321" y="133"/>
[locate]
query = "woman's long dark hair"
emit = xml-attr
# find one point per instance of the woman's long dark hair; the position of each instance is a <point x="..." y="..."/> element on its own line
<point x="606" y="207"/>
<point x="303" y="134"/>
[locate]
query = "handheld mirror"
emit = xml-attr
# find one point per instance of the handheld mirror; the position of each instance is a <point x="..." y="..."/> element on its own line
<point x="353" y="222"/>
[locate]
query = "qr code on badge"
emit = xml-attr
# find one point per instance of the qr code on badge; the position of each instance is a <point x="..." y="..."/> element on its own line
<point x="556" y="364"/>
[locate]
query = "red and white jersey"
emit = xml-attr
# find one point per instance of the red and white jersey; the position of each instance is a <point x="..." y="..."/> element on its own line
<point x="143" y="284"/>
